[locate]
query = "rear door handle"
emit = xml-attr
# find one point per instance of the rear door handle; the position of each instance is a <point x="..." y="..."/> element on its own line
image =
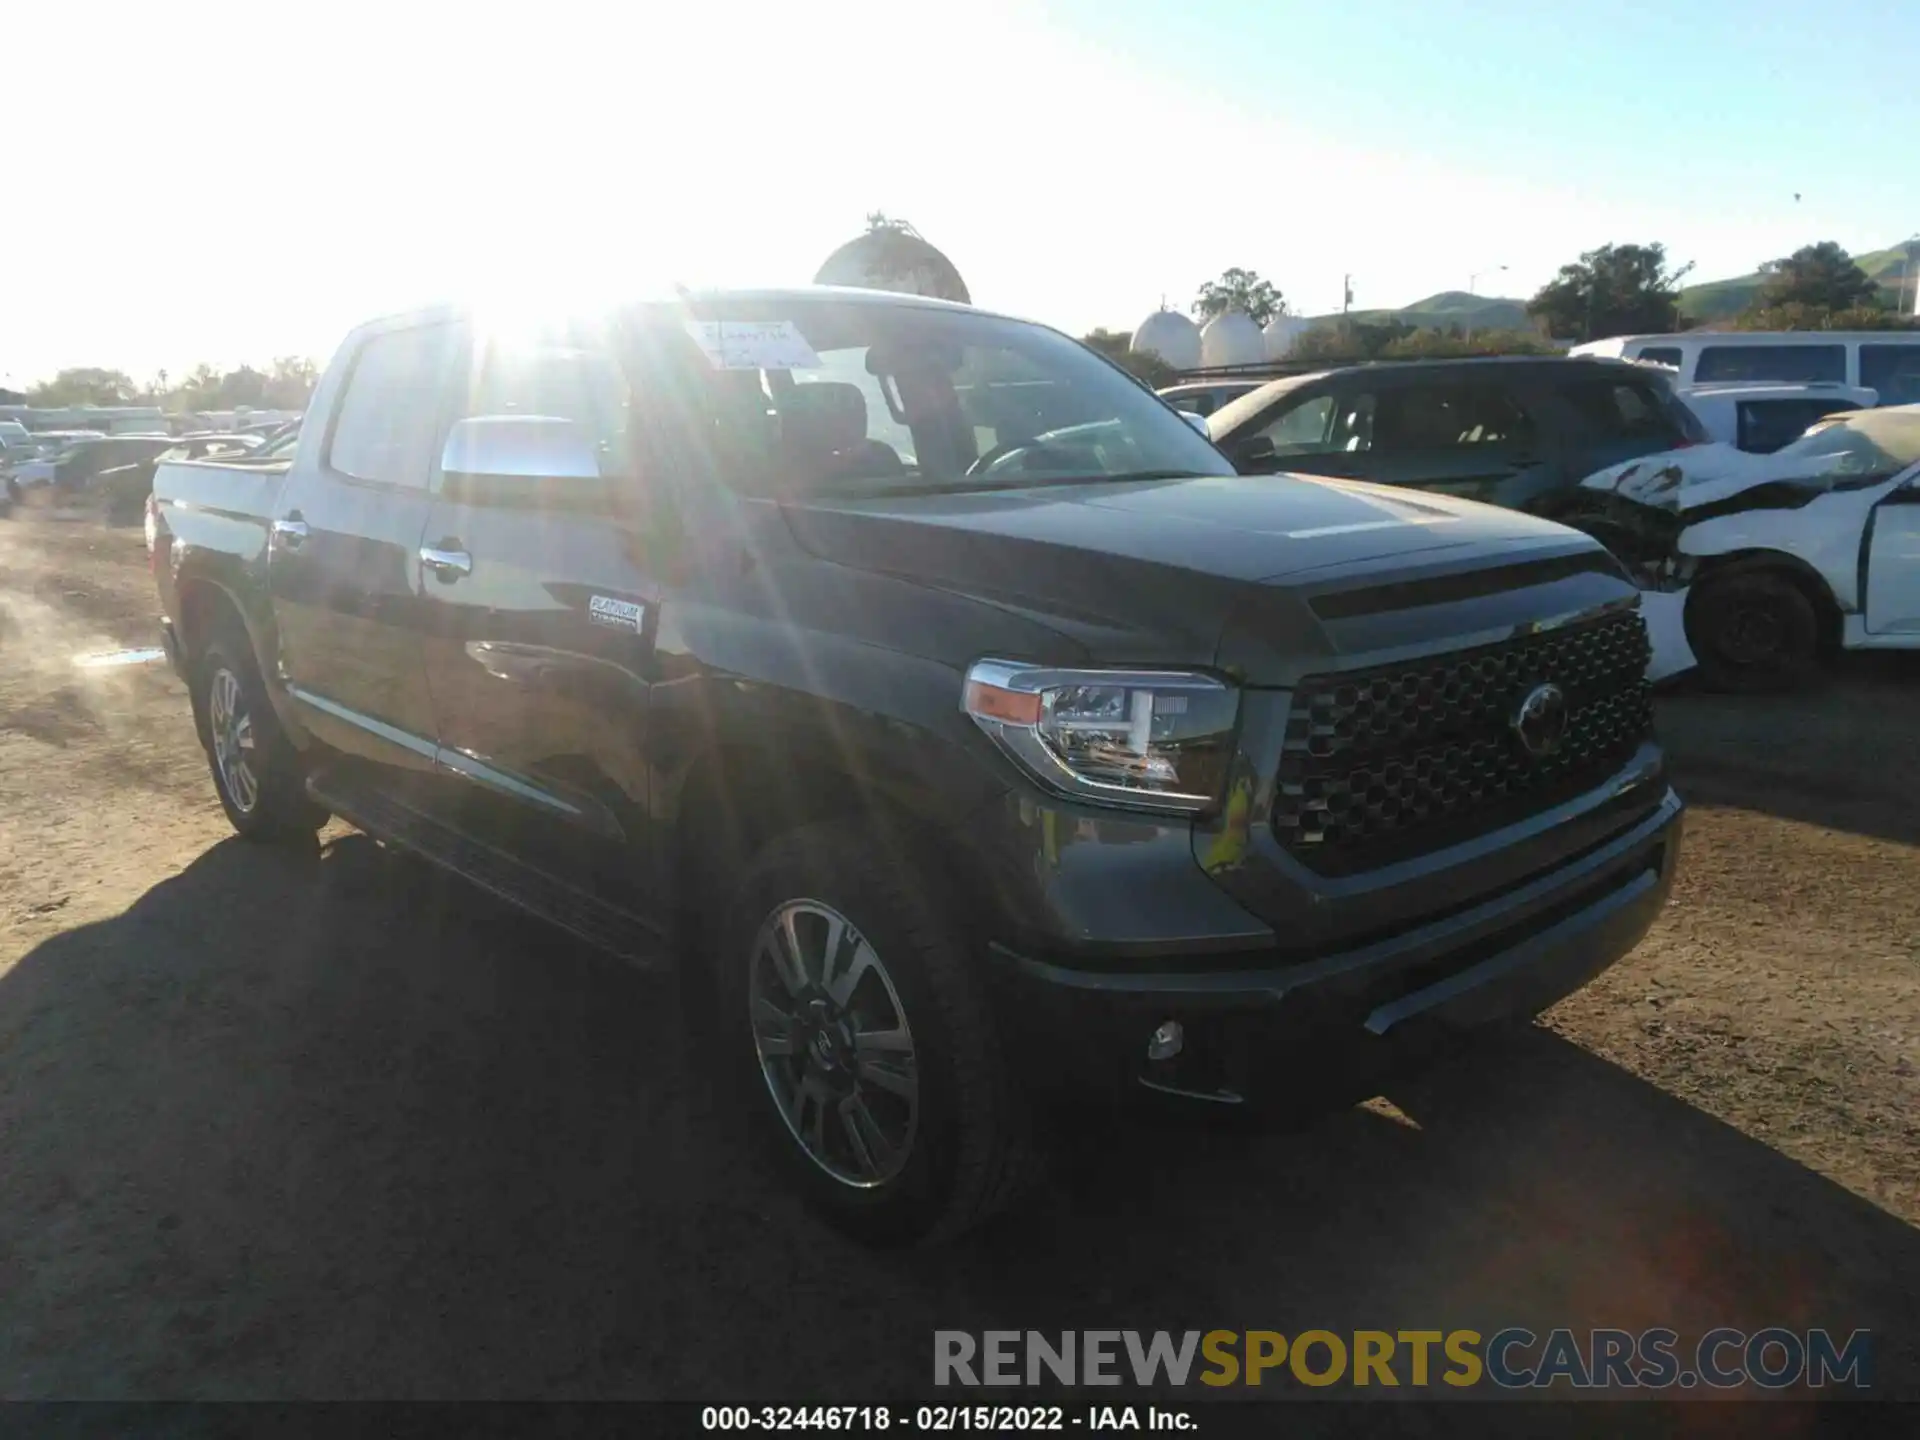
<point x="288" y="533"/>
<point x="449" y="564"/>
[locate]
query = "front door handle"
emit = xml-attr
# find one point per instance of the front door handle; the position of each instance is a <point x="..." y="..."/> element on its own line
<point x="288" y="533"/>
<point x="448" y="563"/>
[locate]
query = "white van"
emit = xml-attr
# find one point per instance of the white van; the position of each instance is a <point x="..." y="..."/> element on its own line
<point x="1885" y="361"/>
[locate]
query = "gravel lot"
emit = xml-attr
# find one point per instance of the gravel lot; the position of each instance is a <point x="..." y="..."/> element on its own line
<point x="276" y="1126"/>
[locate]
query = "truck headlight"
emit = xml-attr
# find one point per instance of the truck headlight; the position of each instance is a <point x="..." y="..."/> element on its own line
<point x="1145" y="739"/>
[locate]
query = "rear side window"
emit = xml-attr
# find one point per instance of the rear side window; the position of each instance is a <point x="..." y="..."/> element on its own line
<point x="1763" y="426"/>
<point x="1449" y="418"/>
<point x="1621" y="410"/>
<point x="1668" y="355"/>
<point x="388" y="423"/>
<point x="1893" y="370"/>
<point x="1790" y="363"/>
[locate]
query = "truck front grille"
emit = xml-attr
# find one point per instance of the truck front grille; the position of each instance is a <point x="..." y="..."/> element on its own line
<point x="1385" y="763"/>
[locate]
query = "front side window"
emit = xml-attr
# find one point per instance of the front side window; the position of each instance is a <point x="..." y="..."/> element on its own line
<point x="1618" y="410"/>
<point x="1795" y="364"/>
<point x="388" y="423"/>
<point x="1893" y="371"/>
<point x="567" y="382"/>
<point x="882" y="398"/>
<point x="1303" y="428"/>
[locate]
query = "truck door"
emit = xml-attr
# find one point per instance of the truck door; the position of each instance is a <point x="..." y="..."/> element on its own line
<point x="1893" y="563"/>
<point x="344" y="567"/>
<point x="540" y="615"/>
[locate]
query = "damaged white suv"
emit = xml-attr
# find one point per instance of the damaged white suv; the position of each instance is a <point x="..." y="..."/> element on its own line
<point x="1764" y="565"/>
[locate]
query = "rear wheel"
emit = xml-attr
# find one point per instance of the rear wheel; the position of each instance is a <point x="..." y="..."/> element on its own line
<point x="1754" y="631"/>
<point x="256" y="770"/>
<point x="851" y="1009"/>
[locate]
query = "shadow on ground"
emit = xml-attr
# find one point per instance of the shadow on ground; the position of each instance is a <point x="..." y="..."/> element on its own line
<point x="1840" y="755"/>
<point x="329" y="1126"/>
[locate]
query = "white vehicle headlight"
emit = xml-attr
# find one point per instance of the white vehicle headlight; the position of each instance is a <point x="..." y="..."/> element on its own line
<point x="1145" y="739"/>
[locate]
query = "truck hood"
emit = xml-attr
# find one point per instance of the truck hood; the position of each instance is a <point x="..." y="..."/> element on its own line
<point x="1144" y="567"/>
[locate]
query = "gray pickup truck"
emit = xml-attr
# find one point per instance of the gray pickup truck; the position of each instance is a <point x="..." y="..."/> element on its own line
<point x="937" y="695"/>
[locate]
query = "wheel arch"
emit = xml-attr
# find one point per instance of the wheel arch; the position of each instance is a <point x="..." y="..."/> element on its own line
<point x="741" y="792"/>
<point x="204" y="605"/>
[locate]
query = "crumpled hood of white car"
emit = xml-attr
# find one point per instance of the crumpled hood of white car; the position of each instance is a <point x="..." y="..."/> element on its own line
<point x="1681" y="480"/>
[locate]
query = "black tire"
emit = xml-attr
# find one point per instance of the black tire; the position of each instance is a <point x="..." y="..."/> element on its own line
<point x="1754" y="631"/>
<point x="969" y="1150"/>
<point x="274" y="807"/>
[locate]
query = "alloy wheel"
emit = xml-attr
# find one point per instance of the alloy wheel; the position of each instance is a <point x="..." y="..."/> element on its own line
<point x="833" y="1043"/>
<point x="230" y="727"/>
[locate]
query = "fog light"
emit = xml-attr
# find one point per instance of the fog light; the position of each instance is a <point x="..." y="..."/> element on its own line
<point x="1166" y="1041"/>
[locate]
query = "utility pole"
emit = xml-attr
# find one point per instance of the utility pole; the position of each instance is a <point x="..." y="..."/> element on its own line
<point x="1346" y="289"/>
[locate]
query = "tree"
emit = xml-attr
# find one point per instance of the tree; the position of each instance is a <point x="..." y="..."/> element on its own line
<point x="1117" y="348"/>
<point x="1241" y="290"/>
<point x="1454" y="342"/>
<point x="1347" y="340"/>
<point x="1800" y="316"/>
<point x="1822" y="276"/>
<point x="85" y="385"/>
<point x="290" y="383"/>
<point x="1615" y="290"/>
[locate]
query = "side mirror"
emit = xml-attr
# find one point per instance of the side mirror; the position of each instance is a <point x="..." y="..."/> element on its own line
<point x="527" y="448"/>
<point x="1254" y="454"/>
<point x="1197" y="421"/>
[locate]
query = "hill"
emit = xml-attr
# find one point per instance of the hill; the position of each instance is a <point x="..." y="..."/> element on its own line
<point x="1450" y="307"/>
<point x="1723" y="299"/>
<point x="1710" y="300"/>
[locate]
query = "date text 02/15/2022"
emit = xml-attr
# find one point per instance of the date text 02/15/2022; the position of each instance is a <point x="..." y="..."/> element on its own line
<point x="935" y="1419"/>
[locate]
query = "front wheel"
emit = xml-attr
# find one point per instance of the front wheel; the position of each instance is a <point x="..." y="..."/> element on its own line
<point x="1756" y="631"/>
<point x="256" y="770"/>
<point x="855" y="1015"/>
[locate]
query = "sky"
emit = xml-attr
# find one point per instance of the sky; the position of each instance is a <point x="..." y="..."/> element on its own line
<point x="228" y="182"/>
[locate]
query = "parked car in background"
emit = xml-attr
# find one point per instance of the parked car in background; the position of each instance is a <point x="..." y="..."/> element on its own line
<point x="124" y="488"/>
<point x="35" y="467"/>
<point x="1761" y="418"/>
<point x="81" y="463"/>
<point x="1884" y="361"/>
<point x="14" y="436"/>
<point x="1774" y="561"/>
<point x="1520" y="432"/>
<point x="976" y="731"/>
<point x="1203" y="397"/>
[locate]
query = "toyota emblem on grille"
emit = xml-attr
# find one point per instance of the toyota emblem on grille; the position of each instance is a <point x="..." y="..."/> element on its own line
<point x="1541" y="720"/>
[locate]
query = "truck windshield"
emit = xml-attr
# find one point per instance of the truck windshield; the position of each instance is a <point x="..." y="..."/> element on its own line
<point x="818" y="396"/>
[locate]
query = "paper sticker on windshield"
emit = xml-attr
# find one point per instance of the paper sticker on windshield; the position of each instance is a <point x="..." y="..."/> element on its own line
<point x="616" y="614"/>
<point x="753" y="345"/>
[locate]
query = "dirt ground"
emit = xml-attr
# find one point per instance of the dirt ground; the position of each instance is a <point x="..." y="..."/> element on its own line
<point x="275" y="1126"/>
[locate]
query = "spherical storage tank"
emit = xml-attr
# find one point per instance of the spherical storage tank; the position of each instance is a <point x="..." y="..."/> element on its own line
<point x="1171" y="336"/>
<point x="891" y="256"/>
<point x="1232" y="339"/>
<point x="1281" y="332"/>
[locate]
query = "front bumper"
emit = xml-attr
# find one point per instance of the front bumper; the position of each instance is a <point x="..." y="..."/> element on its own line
<point x="1256" y="1029"/>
